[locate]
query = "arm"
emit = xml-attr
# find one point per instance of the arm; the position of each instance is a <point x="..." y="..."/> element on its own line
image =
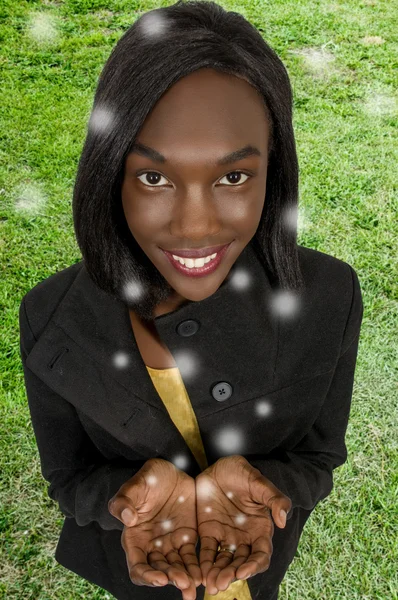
<point x="305" y="474"/>
<point x="81" y="481"/>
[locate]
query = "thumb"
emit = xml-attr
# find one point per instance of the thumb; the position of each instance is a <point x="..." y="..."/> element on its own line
<point x="273" y="499"/>
<point x="280" y="505"/>
<point x="282" y="516"/>
<point x="280" y="508"/>
<point x="123" y="510"/>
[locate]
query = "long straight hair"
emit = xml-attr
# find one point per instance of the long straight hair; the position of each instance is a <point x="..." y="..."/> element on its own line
<point x="162" y="46"/>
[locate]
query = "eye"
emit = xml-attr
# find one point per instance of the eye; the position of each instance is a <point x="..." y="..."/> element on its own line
<point x="161" y="176"/>
<point x="237" y="173"/>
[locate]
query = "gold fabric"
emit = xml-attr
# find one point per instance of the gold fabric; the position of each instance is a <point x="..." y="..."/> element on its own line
<point x="172" y="391"/>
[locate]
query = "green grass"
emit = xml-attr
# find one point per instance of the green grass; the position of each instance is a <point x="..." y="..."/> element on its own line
<point x="341" y="58"/>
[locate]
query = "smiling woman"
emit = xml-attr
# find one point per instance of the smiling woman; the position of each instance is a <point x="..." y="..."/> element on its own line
<point x="196" y="367"/>
<point x="201" y="153"/>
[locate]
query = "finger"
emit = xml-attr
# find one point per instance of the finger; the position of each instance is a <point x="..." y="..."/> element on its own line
<point x="228" y="574"/>
<point x="140" y="572"/>
<point x="224" y="569"/>
<point x="188" y="555"/>
<point x="221" y="563"/>
<point x="119" y="504"/>
<point x="173" y="567"/>
<point x="207" y="555"/>
<point x="259" y="558"/>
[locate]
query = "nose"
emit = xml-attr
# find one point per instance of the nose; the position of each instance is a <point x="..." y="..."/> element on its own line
<point x="195" y="217"/>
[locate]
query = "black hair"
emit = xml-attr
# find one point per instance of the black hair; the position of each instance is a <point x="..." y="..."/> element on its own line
<point x="162" y="46"/>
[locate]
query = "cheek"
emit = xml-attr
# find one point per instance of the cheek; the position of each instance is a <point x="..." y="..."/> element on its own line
<point x="144" y="220"/>
<point x="147" y="215"/>
<point x="245" y="213"/>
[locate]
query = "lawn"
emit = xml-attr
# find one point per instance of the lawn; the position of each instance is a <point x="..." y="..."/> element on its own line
<point x="342" y="61"/>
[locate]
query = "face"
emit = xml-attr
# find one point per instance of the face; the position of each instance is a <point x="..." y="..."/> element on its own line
<point x="193" y="199"/>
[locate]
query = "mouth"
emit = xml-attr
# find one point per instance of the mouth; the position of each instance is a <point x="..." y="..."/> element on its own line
<point x="205" y="266"/>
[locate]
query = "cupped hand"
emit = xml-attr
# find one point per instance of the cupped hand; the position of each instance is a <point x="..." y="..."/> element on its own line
<point x="161" y="539"/>
<point x="233" y="504"/>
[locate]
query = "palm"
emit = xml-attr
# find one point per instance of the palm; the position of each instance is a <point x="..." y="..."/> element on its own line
<point x="172" y="526"/>
<point x="165" y="535"/>
<point x="228" y="514"/>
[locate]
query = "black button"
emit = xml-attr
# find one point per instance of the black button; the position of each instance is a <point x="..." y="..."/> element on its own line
<point x="188" y="327"/>
<point x="221" y="391"/>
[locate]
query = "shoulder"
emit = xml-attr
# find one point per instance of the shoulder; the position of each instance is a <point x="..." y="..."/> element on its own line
<point x="39" y="303"/>
<point x="334" y="283"/>
<point x="317" y="265"/>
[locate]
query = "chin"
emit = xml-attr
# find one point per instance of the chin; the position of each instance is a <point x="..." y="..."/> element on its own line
<point x="197" y="296"/>
<point x="200" y="293"/>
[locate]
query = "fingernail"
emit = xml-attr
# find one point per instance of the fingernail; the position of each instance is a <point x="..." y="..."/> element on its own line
<point x="283" y="515"/>
<point x="128" y="517"/>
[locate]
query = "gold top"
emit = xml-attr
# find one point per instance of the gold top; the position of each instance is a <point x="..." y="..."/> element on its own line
<point x="171" y="389"/>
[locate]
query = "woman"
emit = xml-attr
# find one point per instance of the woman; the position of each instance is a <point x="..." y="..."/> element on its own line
<point x="208" y="397"/>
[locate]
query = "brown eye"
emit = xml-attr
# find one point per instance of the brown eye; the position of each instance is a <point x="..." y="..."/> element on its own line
<point x="153" y="177"/>
<point x="234" y="174"/>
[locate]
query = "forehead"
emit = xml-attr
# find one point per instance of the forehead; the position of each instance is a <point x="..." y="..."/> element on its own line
<point x="208" y="103"/>
<point x="205" y="117"/>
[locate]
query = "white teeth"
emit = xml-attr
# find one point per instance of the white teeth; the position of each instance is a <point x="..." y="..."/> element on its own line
<point x="194" y="262"/>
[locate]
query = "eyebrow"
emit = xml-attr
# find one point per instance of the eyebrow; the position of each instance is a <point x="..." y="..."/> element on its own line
<point x="232" y="157"/>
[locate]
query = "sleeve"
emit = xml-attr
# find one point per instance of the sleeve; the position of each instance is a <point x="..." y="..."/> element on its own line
<point x="81" y="481"/>
<point x="305" y="474"/>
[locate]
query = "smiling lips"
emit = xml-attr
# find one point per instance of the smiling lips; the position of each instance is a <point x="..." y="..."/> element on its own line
<point x="207" y="264"/>
<point x="198" y="253"/>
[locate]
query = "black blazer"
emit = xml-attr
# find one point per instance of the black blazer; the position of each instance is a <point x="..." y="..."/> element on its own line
<point x="96" y="423"/>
